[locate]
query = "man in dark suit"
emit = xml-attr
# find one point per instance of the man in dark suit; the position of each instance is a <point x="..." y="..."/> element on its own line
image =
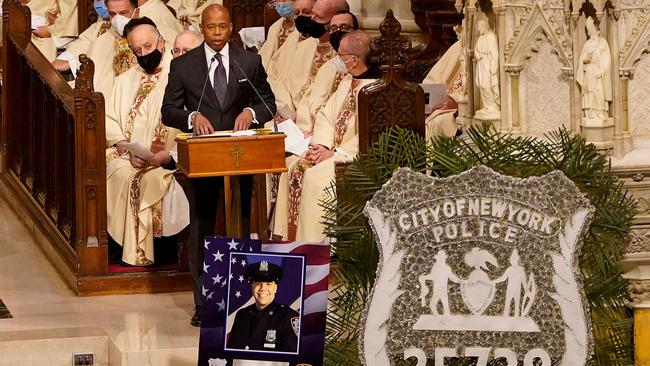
<point x="227" y="101"/>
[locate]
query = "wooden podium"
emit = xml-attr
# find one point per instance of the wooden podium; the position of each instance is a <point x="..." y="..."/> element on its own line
<point x="200" y="157"/>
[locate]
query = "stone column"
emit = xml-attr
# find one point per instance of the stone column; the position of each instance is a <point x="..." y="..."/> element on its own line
<point x="500" y="29"/>
<point x="513" y="72"/>
<point x="623" y="139"/>
<point x="575" y="100"/>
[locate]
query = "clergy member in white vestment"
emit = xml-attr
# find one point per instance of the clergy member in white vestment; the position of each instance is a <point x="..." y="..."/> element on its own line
<point x="188" y="12"/>
<point x="52" y="22"/>
<point x="279" y="30"/>
<point x="120" y="12"/>
<point x="298" y="60"/>
<point x="327" y="80"/>
<point x="298" y="215"/>
<point x="143" y="199"/>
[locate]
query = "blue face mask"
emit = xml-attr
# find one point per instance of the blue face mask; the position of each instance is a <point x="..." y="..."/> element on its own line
<point x="101" y="9"/>
<point x="285" y="10"/>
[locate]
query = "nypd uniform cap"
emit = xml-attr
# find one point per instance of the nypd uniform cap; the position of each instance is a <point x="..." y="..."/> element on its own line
<point x="263" y="272"/>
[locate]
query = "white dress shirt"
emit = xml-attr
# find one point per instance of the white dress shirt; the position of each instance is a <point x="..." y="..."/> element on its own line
<point x="212" y="66"/>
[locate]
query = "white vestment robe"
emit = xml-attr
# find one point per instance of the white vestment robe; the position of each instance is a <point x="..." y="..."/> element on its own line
<point x="147" y="202"/>
<point x="274" y="40"/>
<point x="325" y="83"/>
<point x="48" y="9"/>
<point x="298" y="214"/>
<point x="294" y="67"/>
<point x="191" y="10"/>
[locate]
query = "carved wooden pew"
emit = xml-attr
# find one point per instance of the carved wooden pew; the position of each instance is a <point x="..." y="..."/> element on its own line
<point x="53" y="159"/>
<point x="392" y="100"/>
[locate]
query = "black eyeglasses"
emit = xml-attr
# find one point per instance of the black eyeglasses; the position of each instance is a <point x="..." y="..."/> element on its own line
<point x="342" y="28"/>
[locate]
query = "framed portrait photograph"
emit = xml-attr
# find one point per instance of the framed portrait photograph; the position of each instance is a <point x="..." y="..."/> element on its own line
<point x="265" y="302"/>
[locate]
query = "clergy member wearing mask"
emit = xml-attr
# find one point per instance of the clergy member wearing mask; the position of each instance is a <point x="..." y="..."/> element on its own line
<point x="336" y="139"/>
<point x="279" y="31"/>
<point x="143" y="198"/>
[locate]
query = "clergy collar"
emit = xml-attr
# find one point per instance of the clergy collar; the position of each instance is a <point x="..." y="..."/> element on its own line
<point x="209" y="52"/>
<point x="368" y="74"/>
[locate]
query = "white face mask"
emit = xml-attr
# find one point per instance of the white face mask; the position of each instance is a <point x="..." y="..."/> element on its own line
<point x="119" y="22"/>
<point x="340" y="65"/>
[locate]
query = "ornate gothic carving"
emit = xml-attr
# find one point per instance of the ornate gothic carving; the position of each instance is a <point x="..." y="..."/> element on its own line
<point x="637" y="41"/>
<point x="639" y="291"/>
<point x="638" y="91"/>
<point x="547" y="91"/>
<point x="531" y="30"/>
<point x="639" y="241"/>
<point x="391" y="49"/>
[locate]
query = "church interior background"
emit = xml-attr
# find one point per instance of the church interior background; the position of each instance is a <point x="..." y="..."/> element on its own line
<point x="527" y="66"/>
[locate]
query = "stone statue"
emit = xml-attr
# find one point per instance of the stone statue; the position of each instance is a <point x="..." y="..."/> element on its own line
<point x="594" y="75"/>
<point x="458" y="89"/>
<point x="486" y="54"/>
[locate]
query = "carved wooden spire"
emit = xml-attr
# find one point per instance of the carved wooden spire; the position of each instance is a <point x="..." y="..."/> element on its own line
<point x="391" y="49"/>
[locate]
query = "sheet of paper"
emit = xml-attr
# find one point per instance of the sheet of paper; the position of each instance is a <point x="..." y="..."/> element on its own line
<point x="434" y="94"/>
<point x="298" y="148"/>
<point x="139" y="150"/>
<point x="229" y="133"/>
<point x="252" y="36"/>
<point x="38" y="21"/>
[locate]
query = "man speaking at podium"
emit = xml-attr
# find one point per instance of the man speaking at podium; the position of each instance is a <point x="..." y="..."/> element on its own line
<point x="216" y="86"/>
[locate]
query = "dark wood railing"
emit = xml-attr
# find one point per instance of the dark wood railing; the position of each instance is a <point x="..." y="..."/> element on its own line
<point x="53" y="147"/>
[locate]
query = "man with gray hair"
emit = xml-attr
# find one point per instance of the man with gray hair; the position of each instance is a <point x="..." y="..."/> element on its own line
<point x="186" y="41"/>
<point x="336" y="139"/>
<point x="143" y="199"/>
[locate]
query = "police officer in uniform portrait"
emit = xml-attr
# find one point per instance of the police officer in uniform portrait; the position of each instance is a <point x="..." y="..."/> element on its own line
<point x="265" y="325"/>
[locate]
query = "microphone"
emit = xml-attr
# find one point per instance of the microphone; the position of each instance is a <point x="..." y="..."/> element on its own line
<point x="275" y="124"/>
<point x="205" y="83"/>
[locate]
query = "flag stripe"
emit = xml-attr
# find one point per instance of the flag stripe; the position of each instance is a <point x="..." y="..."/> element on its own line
<point x="315" y="303"/>
<point x="315" y="273"/>
<point x="319" y="286"/>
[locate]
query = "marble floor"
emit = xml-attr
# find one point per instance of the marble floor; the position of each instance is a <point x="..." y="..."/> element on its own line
<point x="126" y="329"/>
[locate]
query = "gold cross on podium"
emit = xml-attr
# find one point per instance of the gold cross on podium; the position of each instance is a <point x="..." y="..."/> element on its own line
<point x="237" y="154"/>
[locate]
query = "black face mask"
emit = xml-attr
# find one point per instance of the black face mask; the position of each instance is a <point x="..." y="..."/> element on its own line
<point x="151" y="61"/>
<point x="307" y="26"/>
<point x="335" y="39"/>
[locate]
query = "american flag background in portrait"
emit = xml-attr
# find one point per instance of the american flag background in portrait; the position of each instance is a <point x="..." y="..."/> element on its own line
<point x="217" y="299"/>
<point x="289" y="290"/>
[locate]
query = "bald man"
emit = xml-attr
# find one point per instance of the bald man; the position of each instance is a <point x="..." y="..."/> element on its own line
<point x="143" y="199"/>
<point x="298" y="214"/>
<point x="185" y="42"/>
<point x="297" y="62"/>
<point x="228" y="102"/>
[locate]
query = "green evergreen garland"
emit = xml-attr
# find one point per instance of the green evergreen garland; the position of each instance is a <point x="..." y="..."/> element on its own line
<point x="356" y="250"/>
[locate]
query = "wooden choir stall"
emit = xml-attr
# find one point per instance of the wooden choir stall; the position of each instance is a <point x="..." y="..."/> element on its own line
<point x="53" y="169"/>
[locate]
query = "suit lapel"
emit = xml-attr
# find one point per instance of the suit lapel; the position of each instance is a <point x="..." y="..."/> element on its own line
<point x="233" y="76"/>
<point x="209" y="91"/>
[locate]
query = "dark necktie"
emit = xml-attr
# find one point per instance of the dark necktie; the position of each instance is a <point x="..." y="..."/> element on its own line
<point x="220" y="82"/>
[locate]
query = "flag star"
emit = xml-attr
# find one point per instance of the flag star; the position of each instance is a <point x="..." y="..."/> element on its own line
<point x="205" y="267"/>
<point x="231" y="277"/>
<point x="232" y="244"/>
<point x="241" y="278"/>
<point x="210" y="295"/>
<point x="222" y="305"/>
<point x="243" y="263"/>
<point x="250" y="249"/>
<point x="204" y="290"/>
<point x="233" y="261"/>
<point x="216" y="279"/>
<point x="223" y="284"/>
<point x="218" y="256"/>
<point x="238" y="294"/>
<point x="206" y="243"/>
